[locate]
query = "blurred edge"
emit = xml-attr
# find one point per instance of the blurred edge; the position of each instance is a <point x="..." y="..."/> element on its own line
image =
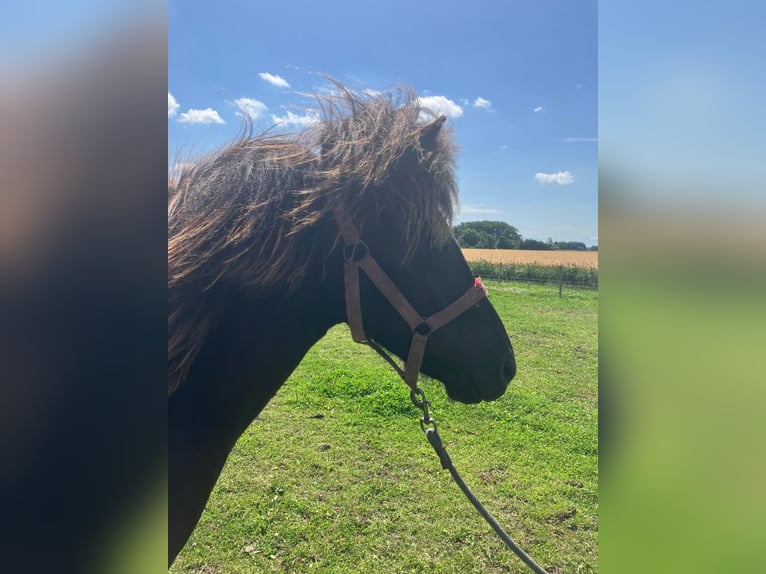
<point x="83" y="175"/>
<point x="683" y="276"/>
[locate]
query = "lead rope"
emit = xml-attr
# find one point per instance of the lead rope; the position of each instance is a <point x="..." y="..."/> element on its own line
<point x="428" y="424"/>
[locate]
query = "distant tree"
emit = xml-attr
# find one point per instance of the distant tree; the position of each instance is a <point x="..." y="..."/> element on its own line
<point x="468" y="237"/>
<point x="487" y="241"/>
<point x="506" y="241"/>
<point x="501" y="235"/>
<point x="535" y="244"/>
<point x="569" y="245"/>
<point x="491" y="235"/>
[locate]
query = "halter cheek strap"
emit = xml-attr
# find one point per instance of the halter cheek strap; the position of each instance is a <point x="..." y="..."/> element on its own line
<point x="357" y="256"/>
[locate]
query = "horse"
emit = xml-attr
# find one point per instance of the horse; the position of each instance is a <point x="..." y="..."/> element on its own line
<point x="266" y="237"/>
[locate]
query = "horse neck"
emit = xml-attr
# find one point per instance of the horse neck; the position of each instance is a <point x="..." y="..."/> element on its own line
<point x="253" y="349"/>
<point x="256" y="343"/>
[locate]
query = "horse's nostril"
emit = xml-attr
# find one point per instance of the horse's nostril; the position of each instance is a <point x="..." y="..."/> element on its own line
<point x="509" y="368"/>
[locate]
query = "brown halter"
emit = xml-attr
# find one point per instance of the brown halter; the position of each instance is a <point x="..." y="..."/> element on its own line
<point x="356" y="254"/>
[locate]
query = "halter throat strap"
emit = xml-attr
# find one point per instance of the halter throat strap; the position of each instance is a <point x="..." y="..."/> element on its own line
<point x="356" y="255"/>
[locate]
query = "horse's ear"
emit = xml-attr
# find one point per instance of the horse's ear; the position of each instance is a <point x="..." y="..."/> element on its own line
<point x="429" y="132"/>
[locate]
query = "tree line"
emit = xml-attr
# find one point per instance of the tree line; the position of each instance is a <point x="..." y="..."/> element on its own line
<point x="501" y="235"/>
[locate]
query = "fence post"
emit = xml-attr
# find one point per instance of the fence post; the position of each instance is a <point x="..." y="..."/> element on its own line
<point x="561" y="278"/>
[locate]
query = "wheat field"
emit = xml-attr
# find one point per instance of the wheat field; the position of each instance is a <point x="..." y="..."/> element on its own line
<point x="587" y="259"/>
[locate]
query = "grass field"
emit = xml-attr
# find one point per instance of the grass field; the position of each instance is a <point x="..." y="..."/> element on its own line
<point x="336" y="475"/>
<point x="588" y="259"/>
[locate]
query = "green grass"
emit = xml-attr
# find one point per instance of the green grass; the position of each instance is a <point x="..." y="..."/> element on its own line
<point x="335" y="475"/>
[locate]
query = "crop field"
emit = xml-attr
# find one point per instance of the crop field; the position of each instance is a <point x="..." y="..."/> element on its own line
<point x="336" y="476"/>
<point x="587" y="259"/>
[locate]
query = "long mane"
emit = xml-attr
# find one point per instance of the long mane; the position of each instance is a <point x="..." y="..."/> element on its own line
<point x="244" y="214"/>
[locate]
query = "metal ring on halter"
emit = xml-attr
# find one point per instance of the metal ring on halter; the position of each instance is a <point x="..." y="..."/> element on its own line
<point x="423" y="329"/>
<point x="421" y="402"/>
<point x="355" y="251"/>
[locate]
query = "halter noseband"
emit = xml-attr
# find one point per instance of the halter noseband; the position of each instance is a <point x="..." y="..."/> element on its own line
<point x="356" y="255"/>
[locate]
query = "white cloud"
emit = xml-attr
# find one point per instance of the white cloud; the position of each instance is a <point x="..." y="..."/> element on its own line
<point x="559" y="178"/>
<point x="465" y="101"/>
<point x="372" y="93"/>
<point x="579" y="140"/>
<point x="172" y="105"/>
<point x="277" y="81"/>
<point x="539" y="109"/>
<point x="206" y="116"/>
<point x="440" y="106"/>
<point x="504" y="146"/>
<point x="482" y="103"/>
<point x="251" y="107"/>
<point x="291" y="119"/>
<point x="478" y="209"/>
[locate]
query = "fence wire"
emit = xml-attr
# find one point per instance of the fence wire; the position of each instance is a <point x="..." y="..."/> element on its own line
<point x="538" y="274"/>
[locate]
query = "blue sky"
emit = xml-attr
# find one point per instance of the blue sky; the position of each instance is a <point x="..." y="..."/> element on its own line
<point x="517" y="78"/>
<point x="682" y="88"/>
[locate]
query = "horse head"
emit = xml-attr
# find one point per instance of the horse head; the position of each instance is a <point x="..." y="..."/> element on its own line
<point x="401" y="192"/>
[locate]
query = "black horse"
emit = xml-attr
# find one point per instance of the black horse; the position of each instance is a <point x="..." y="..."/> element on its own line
<point x="256" y="273"/>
